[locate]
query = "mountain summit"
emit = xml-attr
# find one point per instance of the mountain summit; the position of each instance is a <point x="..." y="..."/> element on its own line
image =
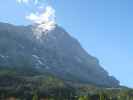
<point x="56" y="53"/>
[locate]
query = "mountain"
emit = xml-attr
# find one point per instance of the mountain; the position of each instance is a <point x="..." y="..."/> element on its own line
<point x="56" y="53"/>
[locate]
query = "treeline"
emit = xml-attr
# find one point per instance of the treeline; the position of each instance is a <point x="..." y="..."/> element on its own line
<point x="16" y="85"/>
<point x="67" y="94"/>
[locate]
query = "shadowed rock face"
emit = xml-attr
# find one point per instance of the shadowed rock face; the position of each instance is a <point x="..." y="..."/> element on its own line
<point x="57" y="53"/>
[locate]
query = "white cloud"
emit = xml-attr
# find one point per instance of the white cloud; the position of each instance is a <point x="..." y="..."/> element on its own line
<point x="27" y="1"/>
<point x="46" y="16"/>
<point x="23" y="1"/>
<point x="36" y="1"/>
<point x="44" y="21"/>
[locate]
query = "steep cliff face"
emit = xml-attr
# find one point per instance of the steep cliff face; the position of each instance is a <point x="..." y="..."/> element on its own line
<point x="55" y="52"/>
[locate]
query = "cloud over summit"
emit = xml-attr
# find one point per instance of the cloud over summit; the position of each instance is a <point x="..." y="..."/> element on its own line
<point x="22" y="1"/>
<point x="43" y="17"/>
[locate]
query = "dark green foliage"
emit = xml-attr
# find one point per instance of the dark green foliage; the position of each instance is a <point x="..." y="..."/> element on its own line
<point x="68" y="94"/>
<point x="32" y="86"/>
<point x="35" y="96"/>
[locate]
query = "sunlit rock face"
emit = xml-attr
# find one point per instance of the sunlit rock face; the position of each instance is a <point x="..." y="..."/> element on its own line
<point x="57" y="53"/>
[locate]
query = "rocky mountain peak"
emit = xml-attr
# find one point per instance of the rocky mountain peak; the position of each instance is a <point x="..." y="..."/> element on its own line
<point x="57" y="53"/>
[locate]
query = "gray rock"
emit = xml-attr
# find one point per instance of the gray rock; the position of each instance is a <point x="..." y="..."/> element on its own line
<point x="57" y="53"/>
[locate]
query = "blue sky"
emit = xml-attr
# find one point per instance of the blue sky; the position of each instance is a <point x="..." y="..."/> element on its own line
<point x="103" y="27"/>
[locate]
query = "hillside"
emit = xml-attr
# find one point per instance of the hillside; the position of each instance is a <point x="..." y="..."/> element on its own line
<point x="56" y="53"/>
